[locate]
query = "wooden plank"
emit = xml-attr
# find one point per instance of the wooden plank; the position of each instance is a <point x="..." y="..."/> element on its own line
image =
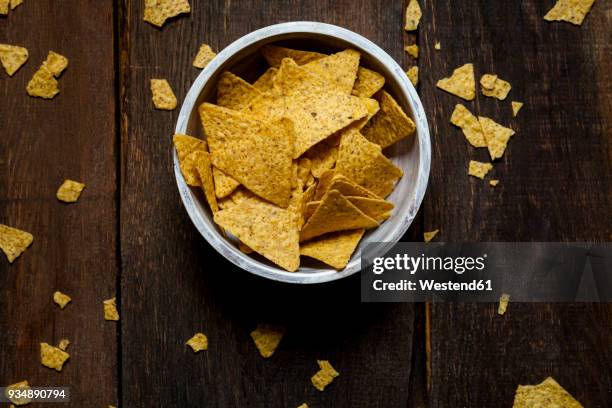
<point x="555" y="179"/>
<point x="74" y="249"/>
<point x="174" y="284"/>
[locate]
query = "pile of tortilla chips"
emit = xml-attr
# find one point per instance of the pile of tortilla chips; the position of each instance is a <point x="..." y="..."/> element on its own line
<point x="293" y="164"/>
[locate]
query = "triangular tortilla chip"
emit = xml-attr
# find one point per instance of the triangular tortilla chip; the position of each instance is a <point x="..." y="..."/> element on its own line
<point x="274" y="55"/>
<point x="265" y="81"/>
<point x="413" y="75"/>
<point x="377" y="209"/>
<point x="334" y="249"/>
<point x="267" y="337"/>
<point x="496" y="136"/>
<point x="429" y="235"/>
<point x="186" y="144"/>
<point x="461" y="83"/>
<point x="368" y="82"/>
<point x="346" y="187"/>
<point x="234" y="92"/>
<point x="12" y="57"/>
<point x="204" y="56"/>
<point x="224" y="184"/>
<point x="162" y="95"/>
<point x="363" y="162"/>
<point x="516" y="107"/>
<point x="546" y="394"/>
<point x="413" y="15"/>
<point x="157" y="12"/>
<point x="322" y="157"/>
<point x="390" y="124"/>
<point x="267" y="229"/>
<point x="412" y="50"/>
<point x="339" y="69"/>
<point x="256" y="153"/>
<point x="373" y="108"/>
<point x="469" y="124"/>
<point x="14" y="242"/>
<point x="204" y="169"/>
<point x="335" y="213"/>
<point x="572" y="11"/>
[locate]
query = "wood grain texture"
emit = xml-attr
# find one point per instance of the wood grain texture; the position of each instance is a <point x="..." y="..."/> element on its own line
<point x="555" y="185"/>
<point x="174" y="284"/>
<point x="74" y="250"/>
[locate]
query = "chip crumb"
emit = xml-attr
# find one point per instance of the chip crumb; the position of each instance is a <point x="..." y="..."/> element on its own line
<point x="516" y="107"/>
<point x="479" y="169"/>
<point x="14" y="242"/>
<point x="70" y="191"/>
<point x="198" y="342"/>
<point x="304" y="405"/>
<point x="413" y="74"/>
<point x="438" y="46"/>
<point x="44" y="83"/>
<point x="413" y="15"/>
<point x="63" y="344"/>
<point x="163" y="97"/>
<point x="461" y="83"/>
<point x="572" y="11"/>
<point x="324" y="376"/>
<point x="53" y="357"/>
<point x="55" y="63"/>
<point x="428" y="236"/>
<point x="204" y="56"/>
<point x="470" y="126"/>
<point x="496" y="136"/>
<point x="110" y="310"/>
<point x="503" y="303"/>
<point x="21" y="386"/>
<point x="495" y="87"/>
<point x="157" y="12"/>
<point x="12" y="57"/>
<point x="412" y="50"/>
<point x="61" y="299"/>
<point x="547" y="394"/>
<point x="267" y="338"/>
<point x="493" y="183"/>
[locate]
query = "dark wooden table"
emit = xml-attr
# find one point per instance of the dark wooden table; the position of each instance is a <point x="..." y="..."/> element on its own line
<point x="129" y="235"/>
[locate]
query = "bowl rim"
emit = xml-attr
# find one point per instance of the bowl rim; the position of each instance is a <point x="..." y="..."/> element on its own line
<point x="220" y="244"/>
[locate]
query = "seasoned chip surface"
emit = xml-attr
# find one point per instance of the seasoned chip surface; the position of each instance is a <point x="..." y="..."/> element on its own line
<point x="495" y="87"/>
<point x="14" y="242"/>
<point x="157" y="12"/>
<point x="163" y="97"/>
<point x="199" y="342"/>
<point x="53" y="357"/>
<point x="546" y="394"/>
<point x="234" y="92"/>
<point x="204" y="56"/>
<point x="204" y="168"/>
<point x="340" y="70"/>
<point x="70" y="191"/>
<point x="43" y="85"/>
<point x="12" y="57"/>
<point x="461" y="83"/>
<point x="267" y="337"/>
<point x="61" y="299"/>
<point x="412" y="50"/>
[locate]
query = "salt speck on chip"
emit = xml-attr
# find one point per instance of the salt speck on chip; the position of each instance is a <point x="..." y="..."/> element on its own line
<point x="198" y="342"/>
<point x="70" y="191"/>
<point x="53" y="357"/>
<point x="157" y="12"/>
<point x="61" y="299"/>
<point x="110" y="310"/>
<point x="461" y="83"/>
<point x="413" y="15"/>
<point x="479" y="169"/>
<point x="267" y="337"/>
<point x="163" y="97"/>
<point x="14" y="242"/>
<point x="324" y="376"/>
<point x="204" y="56"/>
<point x="12" y="57"/>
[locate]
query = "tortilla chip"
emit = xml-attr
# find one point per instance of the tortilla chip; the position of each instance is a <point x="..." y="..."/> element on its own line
<point x="487" y="81"/>
<point x="334" y="249"/>
<point x="224" y="184"/>
<point x="20" y="386"/>
<point x="413" y="75"/>
<point x="204" y="56"/>
<point x="110" y="310"/>
<point x="198" y="342"/>
<point x="345" y="186"/>
<point x="413" y="15"/>
<point x="390" y="124"/>
<point x="43" y="84"/>
<point x="461" y="83"/>
<point x="53" y="357"/>
<point x="493" y="183"/>
<point x="428" y="236"/>
<point x="157" y="12"/>
<point x="63" y="344"/>
<point x="546" y="394"/>
<point x="496" y="136"/>
<point x="234" y="92"/>
<point x="256" y="153"/>
<point x="324" y="376"/>
<point x="163" y="97"/>
<point x="470" y="126"/>
<point x="363" y="162"/>
<point x="12" y="57"/>
<point x="267" y="338"/>
<point x="61" y="299"/>
<point x="495" y="87"/>
<point x="204" y="169"/>
<point x="274" y="55"/>
<point x="14" y="242"/>
<point x="412" y="50"/>
<point x="322" y="157"/>
<point x="70" y="191"/>
<point x="265" y="81"/>
<point x="503" y="303"/>
<point x="304" y="164"/>
<point x="340" y="70"/>
<point x="437" y="46"/>
<point x="375" y="208"/>
<point x="335" y="213"/>
<point x="267" y="229"/>
<point x="572" y="11"/>
<point x="15" y="4"/>
<point x="479" y="169"/>
<point x="368" y="82"/>
<point x="516" y="107"/>
<point x="185" y="144"/>
<point x="189" y="170"/>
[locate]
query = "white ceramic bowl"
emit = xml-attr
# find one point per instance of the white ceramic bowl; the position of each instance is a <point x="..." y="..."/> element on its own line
<point x="413" y="155"/>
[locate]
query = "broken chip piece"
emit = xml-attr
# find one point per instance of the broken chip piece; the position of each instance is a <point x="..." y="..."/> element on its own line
<point x="324" y="376"/>
<point x="14" y="242"/>
<point x="23" y="387"/>
<point x="12" y="57"/>
<point x="204" y="168"/>
<point x="185" y="145"/>
<point x="437" y="46"/>
<point x="224" y="184"/>
<point x="15" y="3"/>
<point x="334" y="249"/>
<point x="162" y="95"/>
<point x="469" y="124"/>
<point x="267" y="337"/>
<point x="204" y="56"/>
<point x="503" y="303"/>
<point x="413" y="15"/>
<point x="516" y="107"/>
<point x="368" y="82"/>
<point x="70" y="191"/>
<point x="479" y="169"/>
<point x="234" y="92"/>
<point x="43" y="84"/>
<point x="61" y="299"/>
<point x="572" y="11"/>
<point x="496" y="136"/>
<point x="198" y="342"/>
<point x="53" y="357"/>
<point x="413" y="75"/>
<point x="495" y="87"/>
<point x="4" y="7"/>
<point x="274" y="55"/>
<point x="110" y="310"/>
<point x="390" y="124"/>
<point x="157" y="12"/>
<point x="412" y="50"/>
<point x="63" y="344"/>
<point x="461" y="83"/>
<point x="493" y="183"/>
<point x="429" y="235"/>
<point x="546" y="394"/>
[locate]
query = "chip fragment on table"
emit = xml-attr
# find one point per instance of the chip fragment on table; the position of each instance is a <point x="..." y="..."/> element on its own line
<point x="479" y="169"/>
<point x="413" y="15"/>
<point x="503" y="303"/>
<point x="546" y="394"/>
<point x="12" y="57"/>
<point x="461" y="83"/>
<point x="412" y="50"/>
<point x="53" y="357"/>
<point x="162" y="95"/>
<point x="429" y="235"/>
<point x="204" y="56"/>
<point x="70" y="191"/>
<point x="413" y="75"/>
<point x="496" y="136"/>
<point x="14" y="242"/>
<point x="324" y="376"/>
<point x="61" y="299"/>
<point x="516" y="107"/>
<point x="572" y="11"/>
<point x="494" y="87"/>
<point x="267" y="337"/>
<point x="199" y="342"/>
<point x="470" y="126"/>
<point x="22" y="386"/>
<point x="157" y="12"/>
